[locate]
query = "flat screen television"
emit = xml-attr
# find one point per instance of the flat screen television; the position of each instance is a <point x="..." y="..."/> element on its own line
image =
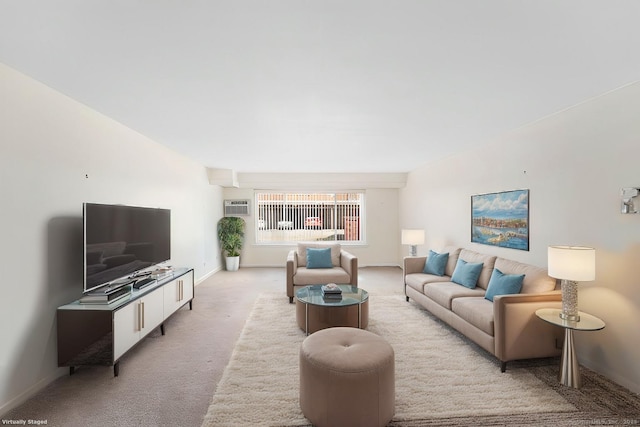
<point x="121" y="241"/>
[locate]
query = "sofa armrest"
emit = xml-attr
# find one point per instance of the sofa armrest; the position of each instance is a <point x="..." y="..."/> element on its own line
<point x="519" y="333"/>
<point x="413" y="264"/>
<point x="292" y="266"/>
<point x="349" y="262"/>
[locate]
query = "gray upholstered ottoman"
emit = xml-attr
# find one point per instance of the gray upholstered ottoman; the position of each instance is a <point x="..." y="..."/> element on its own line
<point x="347" y="378"/>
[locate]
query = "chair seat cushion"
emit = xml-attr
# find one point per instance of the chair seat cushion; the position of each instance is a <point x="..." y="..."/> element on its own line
<point x="319" y="276"/>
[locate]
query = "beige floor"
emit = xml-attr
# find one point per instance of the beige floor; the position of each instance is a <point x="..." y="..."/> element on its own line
<point x="169" y="380"/>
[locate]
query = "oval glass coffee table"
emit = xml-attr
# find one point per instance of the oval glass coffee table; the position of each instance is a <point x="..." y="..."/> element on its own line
<point x="314" y="312"/>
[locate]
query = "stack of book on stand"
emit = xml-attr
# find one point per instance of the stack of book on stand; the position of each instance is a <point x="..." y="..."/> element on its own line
<point x="161" y="272"/>
<point x="331" y="291"/>
<point x="106" y="295"/>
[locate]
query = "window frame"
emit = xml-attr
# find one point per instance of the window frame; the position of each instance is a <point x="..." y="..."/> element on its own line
<point x="302" y="198"/>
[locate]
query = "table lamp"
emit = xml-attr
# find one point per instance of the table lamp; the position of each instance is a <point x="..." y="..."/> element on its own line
<point x="413" y="238"/>
<point x="571" y="264"/>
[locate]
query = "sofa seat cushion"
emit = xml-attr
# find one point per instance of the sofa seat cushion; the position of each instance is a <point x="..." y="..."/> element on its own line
<point x="478" y="311"/>
<point x="418" y="280"/>
<point x="444" y="292"/>
<point x="320" y="276"/>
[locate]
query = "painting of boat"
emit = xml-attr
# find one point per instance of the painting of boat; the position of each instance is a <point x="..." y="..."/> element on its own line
<point x="501" y="219"/>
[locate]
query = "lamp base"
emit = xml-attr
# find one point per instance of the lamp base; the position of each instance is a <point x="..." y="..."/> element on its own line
<point x="414" y="250"/>
<point x="570" y="317"/>
<point x="569" y="301"/>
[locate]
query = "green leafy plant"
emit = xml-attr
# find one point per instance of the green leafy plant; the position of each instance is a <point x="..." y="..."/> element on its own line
<point x="231" y="235"/>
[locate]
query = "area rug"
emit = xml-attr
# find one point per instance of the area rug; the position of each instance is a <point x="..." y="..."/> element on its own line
<point x="441" y="378"/>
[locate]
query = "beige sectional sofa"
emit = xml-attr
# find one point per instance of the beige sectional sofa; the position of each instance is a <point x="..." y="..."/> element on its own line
<point x="506" y="327"/>
<point x="343" y="268"/>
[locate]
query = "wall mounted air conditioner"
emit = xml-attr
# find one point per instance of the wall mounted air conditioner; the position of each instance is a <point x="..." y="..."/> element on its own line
<point x="236" y="208"/>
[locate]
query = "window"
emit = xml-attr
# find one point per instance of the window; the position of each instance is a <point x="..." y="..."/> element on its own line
<point x="294" y="217"/>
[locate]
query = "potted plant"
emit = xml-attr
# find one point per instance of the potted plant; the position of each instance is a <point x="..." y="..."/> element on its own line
<point x="231" y="235"/>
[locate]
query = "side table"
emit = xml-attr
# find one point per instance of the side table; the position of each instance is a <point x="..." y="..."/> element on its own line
<point x="569" y="367"/>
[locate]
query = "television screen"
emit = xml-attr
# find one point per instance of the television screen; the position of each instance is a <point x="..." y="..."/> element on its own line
<point x="119" y="241"/>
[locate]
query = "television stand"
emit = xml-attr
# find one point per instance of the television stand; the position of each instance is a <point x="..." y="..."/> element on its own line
<point x="100" y="334"/>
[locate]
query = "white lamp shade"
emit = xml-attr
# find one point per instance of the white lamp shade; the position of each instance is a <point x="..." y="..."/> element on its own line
<point x="412" y="237"/>
<point x="576" y="263"/>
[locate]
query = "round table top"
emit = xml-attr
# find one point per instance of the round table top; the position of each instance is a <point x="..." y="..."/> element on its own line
<point x="587" y="321"/>
<point x="350" y="295"/>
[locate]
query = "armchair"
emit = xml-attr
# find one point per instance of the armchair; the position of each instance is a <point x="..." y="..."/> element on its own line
<point x="343" y="270"/>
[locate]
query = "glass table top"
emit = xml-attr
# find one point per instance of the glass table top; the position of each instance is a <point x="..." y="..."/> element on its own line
<point x="587" y="321"/>
<point x="350" y="295"/>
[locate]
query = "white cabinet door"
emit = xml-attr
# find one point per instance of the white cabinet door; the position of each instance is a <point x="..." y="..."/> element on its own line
<point x="177" y="293"/>
<point x="126" y="329"/>
<point x="133" y="321"/>
<point x="187" y="293"/>
<point x="152" y="311"/>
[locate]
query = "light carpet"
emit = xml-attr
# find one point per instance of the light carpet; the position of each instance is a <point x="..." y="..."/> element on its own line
<point x="439" y="375"/>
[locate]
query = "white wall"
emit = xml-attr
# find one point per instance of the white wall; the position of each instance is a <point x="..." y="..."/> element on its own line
<point x="381" y="226"/>
<point x="574" y="164"/>
<point x="56" y="154"/>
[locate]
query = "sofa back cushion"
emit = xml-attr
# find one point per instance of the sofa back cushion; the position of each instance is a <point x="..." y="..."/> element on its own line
<point x="488" y="262"/>
<point x="466" y="273"/>
<point x="302" y="252"/>
<point x="454" y="253"/>
<point x="436" y="263"/>
<point x="503" y="284"/>
<point x="535" y="280"/>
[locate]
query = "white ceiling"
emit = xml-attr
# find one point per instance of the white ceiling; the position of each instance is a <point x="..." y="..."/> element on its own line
<point x="324" y="85"/>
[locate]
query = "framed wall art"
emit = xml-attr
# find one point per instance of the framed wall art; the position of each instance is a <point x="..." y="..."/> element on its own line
<point x="501" y="219"/>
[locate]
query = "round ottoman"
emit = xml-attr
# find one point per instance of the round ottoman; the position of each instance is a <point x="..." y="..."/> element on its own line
<point x="347" y="378"/>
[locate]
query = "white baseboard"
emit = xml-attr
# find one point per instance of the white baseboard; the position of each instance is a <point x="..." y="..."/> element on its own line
<point x="610" y="374"/>
<point x="33" y="390"/>
<point x="207" y="275"/>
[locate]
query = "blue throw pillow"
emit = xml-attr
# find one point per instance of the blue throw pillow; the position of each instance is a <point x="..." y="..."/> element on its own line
<point x="466" y="273"/>
<point x="503" y="284"/>
<point x="319" y="258"/>
<point x="436" y="263"/>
